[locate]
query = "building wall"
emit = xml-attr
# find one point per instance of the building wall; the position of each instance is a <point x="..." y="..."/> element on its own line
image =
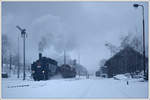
<point x="126" y="61"/>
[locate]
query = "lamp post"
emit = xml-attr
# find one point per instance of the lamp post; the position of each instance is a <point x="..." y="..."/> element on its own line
<point x="23" y="35"/>
<point x="136" y="6"/>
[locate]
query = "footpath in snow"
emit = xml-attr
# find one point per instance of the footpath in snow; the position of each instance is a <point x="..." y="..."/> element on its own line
<point x="74" y="88"/>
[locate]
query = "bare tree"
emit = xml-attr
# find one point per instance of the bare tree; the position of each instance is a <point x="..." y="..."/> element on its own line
<point x="113" y="49"/>
<point x="125" y="41"/>
<point x="102" y="62"/>
<point x="136" y="43"/>
<point x="5" y="49"/>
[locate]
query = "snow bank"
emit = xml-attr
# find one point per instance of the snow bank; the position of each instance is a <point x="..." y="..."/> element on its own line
<point x="120" y="77"/>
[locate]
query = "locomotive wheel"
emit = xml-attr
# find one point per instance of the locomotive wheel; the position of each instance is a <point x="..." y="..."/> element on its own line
<point x="34" y="78"/>
<point x="46" y="77"/>
<point x="43" y="77"/>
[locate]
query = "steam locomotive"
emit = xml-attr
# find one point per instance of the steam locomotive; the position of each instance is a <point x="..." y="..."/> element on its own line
<point x="44" y="68"/>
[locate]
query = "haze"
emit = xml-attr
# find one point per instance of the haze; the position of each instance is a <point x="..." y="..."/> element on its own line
<point x="80" y="28"/>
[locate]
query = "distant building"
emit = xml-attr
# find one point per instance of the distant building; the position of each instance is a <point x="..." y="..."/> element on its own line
<point x="102" y="72"/>
<point x="127" y="60"/>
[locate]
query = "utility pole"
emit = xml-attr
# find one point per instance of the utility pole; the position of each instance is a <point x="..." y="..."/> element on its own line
<point x="64" y="57"/>
<point x="23" y="35"/>
<point x="10" y="67"/>
<point x="79" y="57"/>
<point x="79" y="63"/>
<point x="18" y="58"/>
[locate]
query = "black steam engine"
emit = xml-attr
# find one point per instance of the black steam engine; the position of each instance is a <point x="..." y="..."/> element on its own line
<point x="43" y="68"/>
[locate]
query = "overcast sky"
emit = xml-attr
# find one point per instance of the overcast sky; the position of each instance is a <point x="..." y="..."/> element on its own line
<point x="79" y="27"/>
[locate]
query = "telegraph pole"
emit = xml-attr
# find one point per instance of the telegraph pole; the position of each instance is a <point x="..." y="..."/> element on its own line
<point x="79" y="57"/>
<point x="64" y="57"/>
<point x="18" y="58"/>
<point x="10" y="61"/>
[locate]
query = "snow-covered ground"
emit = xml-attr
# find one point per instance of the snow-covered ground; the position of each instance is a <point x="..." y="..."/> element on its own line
<point x="93" y="87"/>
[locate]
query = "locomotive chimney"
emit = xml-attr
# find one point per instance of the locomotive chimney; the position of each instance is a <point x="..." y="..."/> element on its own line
<point x="74" y="62"/>
<point x="40" y="55"/>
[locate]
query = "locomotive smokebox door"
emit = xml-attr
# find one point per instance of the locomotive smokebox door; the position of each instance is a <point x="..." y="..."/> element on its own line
<point x="38" y="66"/>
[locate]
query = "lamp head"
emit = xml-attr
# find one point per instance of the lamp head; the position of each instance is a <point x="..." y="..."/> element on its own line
<point x="135" y="5"/>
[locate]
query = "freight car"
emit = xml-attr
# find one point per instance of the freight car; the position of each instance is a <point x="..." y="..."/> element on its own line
<point x="43" y="68"/>
<point x="67" y="71"/>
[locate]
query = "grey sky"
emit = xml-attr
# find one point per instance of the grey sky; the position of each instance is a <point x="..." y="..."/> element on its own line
<point x="80" y="27"/>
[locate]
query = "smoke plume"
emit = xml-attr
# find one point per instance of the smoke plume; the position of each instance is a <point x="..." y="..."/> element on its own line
<point x="42" y="44"/>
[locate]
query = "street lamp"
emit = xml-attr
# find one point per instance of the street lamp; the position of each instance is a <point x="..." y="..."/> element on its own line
<point x="23" y="35"/>
<point x="136" y="6"/>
